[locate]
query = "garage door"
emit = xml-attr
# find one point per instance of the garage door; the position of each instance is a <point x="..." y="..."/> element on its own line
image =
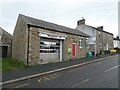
<point x="49" y="50"/>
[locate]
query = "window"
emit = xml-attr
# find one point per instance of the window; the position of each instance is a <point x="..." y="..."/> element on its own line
<point x="88" y="46"/>
<point x="49" y="47"/>
<point x="81" y="43"/>
<point x="99" y="34"/>
<point x="100" y="45"/>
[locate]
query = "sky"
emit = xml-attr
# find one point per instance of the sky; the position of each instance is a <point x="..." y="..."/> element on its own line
<point x="63" y="12"/>
<point x="119" y="19"/>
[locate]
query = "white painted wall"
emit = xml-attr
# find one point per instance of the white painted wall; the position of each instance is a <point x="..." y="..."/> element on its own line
<point x="116" y="43"/>
<point x="86" y="29"/>
<point x="91" y="32"/>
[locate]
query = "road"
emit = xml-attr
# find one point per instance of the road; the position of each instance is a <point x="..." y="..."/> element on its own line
<point x="102" y="74"/>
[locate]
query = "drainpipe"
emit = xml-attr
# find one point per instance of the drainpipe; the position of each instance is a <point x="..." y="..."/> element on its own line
<point x="85" y="47"/>
<point x="28" y="45"/>
<point x="102" y="44"/>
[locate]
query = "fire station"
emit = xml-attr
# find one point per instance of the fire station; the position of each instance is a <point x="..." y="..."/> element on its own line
<point x="36" y="41"/>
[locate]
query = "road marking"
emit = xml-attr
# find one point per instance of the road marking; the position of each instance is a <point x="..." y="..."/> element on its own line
<point x="80" y="83"/>
<point x="22" y="85"/>
<point x="48" y="77"/>
<point x="112" y="68"/>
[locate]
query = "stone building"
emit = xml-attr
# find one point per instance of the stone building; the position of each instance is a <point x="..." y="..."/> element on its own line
<point x="5" y="43"/>
<point x="99" y="39"/>
<point x="37" y="41"/>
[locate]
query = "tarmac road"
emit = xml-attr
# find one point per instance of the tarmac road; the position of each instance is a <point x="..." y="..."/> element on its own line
<point x="102" y="74"/>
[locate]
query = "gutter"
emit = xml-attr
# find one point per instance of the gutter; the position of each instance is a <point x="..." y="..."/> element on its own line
<point x="58" y="30"/>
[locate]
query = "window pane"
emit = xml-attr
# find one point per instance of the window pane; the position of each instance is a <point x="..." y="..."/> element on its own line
<point x="81" y="43"/>
<point x="49" y="47"/>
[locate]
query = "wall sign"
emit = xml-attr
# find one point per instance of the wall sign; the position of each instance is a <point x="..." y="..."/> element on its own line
<point x="69" y="50"/>
<point x="50" y="35"/>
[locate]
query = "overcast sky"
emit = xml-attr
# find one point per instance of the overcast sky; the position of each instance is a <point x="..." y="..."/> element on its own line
<point x="62" y="12"/>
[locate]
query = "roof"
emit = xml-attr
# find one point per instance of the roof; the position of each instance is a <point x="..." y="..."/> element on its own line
<point x="51" y="26"/>
<point x="99" y="29"/>
<point x="116" y="39"/>
<point x="3" y="31"/>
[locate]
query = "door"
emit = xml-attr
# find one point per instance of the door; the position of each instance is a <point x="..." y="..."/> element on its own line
<point x="3" y="51"/>
<point x="49" y="50"/>
<point x="74" y="49"/>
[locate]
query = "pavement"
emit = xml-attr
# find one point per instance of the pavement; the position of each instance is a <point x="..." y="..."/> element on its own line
<point x="34" y="70"/>
<point x="101" y="74"/>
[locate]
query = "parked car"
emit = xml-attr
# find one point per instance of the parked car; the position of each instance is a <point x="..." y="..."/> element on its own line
<point x="112" y="52"/>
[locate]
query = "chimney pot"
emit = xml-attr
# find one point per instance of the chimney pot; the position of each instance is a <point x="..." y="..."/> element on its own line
<point x="101" y="27"/>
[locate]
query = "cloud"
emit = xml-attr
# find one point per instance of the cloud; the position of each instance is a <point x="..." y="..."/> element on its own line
<point x="63" y="12"/>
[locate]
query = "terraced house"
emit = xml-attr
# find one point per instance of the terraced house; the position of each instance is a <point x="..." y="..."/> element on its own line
<point x="99" y="39"/>
<point x="36" y="41"/>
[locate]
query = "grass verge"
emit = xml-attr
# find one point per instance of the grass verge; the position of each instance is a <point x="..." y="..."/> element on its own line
<point x="9" y="63"/>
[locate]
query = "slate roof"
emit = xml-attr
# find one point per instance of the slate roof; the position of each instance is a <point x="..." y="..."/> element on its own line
<point x="51" y="26"/>
<point x="2" y="31"/>
<point x="116" y="39"/>
<point x="99" y="29"/>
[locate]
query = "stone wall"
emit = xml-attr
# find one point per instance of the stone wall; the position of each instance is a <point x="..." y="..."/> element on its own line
<point x="110" y="41"/>
<point x="34" y="45"/>
<point x="20" y="39"/>
<point x="91" y="48"/>
<point x="102" y="40"/>
<point x="80" y="52"/>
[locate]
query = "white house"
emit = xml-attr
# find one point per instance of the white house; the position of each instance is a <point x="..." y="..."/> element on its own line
<point x="100" y="40"/>
<point x="116" y="42"/>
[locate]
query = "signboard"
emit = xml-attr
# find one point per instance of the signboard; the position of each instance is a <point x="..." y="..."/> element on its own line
<point x="50" y="35"/>
<point x="69" y="51"/>
<point x="74" y="49"/>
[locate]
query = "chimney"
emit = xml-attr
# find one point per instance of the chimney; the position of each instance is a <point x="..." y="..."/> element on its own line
<point x="117" y="37"/>
<point x="81" y="22"/>
<point x="101" y="27"/>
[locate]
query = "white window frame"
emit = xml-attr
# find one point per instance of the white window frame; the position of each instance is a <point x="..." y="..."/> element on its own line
<point x="81" y="43"/>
